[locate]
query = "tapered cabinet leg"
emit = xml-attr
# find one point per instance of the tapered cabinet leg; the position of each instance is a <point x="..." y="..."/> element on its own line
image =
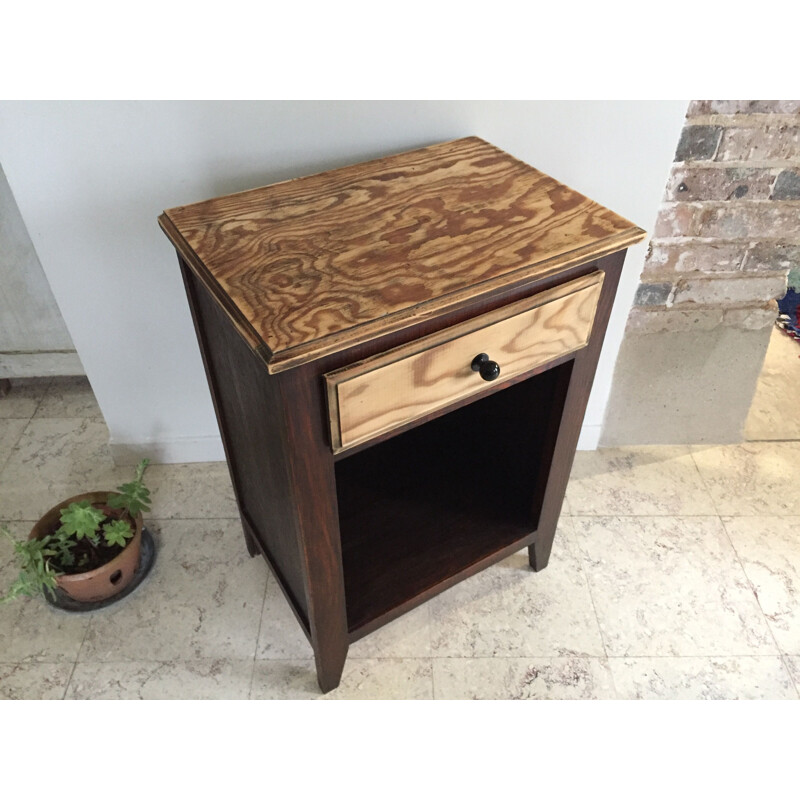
<point x="313" y="484"/>
<point x="329" y="669"/>
<point x="569" y="426"/>
<point x="252" y="548"/>
<point x="539" y="554"/>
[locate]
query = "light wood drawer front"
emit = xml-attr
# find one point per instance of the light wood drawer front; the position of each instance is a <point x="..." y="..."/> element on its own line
<point x="393" y="388"/>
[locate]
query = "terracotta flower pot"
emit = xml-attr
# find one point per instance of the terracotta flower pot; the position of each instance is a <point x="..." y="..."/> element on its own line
<point x="106" y="581"/>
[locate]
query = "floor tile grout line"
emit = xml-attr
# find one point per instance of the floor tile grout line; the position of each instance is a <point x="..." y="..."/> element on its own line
<point x="258" y="635"/>
<point x="153" y="519"/>
<point x="651" y="513"/>
<point x="791" y="674"/>
<point x="751" y="585"/>
<point x="75" y="663"/>
<point x="430" y="656"/>
<point x="44" y="391"/>
<point x="587" y="582"/>
<point x="583" y="657"/>
<point x="160" y="520"/>
<point x="310" y="659"/>
<point x="11" y="450"/>
<point x="574" y="516"/>
<point x="69" y="680"/>
<point x="42" y="397"/>
<point x="719" y="520"/>
<point x="703" y="481"/>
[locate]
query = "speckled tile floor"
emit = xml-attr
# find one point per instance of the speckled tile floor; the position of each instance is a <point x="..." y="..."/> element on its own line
<point x="773" y="413"/>
<point x="675" y="574"/>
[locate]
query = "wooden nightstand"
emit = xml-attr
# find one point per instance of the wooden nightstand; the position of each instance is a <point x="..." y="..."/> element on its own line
<point x="400" y="355"/>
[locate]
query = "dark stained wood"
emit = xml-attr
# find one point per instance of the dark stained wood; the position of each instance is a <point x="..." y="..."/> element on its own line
<point x="292" y="282"/>
<point x="250" y="416"/>
<point x="311" y="470"/>
<point x="253" y="547"/>
<point x="312" y="266"/>
<point x="282" y="471"/>
<point x="423" y="507"/>
<point x="568" y="424"/>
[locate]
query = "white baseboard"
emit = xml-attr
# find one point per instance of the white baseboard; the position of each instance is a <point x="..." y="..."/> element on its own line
<point x="40" y="365"/>
<point x="590" y="437"/>
<point x="169" y="451"/>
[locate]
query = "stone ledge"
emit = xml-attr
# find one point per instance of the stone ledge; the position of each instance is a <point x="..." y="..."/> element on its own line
<point x="655" y="320"/>
<point x="767" y="108"/>
<point x="672" y="257"/>
<point x="720" y="289"/>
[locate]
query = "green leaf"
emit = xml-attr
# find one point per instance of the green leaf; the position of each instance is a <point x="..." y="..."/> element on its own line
<point x="60" y="547"/>
<point x="134" y="497"/>
<point x="36" y="574"/>
<point x="64" y="556"/>
<point x="117" y="532"/>
<point x="81" y="519"/>
<point x="140" y="468"/>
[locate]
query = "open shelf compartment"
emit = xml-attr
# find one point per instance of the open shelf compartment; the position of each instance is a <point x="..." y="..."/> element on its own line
<point x="422" y="507"/>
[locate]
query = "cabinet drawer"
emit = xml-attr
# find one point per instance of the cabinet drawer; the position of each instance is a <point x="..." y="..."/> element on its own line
<point x="393" y="388"/>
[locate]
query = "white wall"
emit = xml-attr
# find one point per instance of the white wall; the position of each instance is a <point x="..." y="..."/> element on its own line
<point x="34" y="341"/>
<point x="90" y="179"/>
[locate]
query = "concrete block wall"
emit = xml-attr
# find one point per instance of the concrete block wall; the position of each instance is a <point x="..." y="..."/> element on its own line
<point x="724" y="240"/>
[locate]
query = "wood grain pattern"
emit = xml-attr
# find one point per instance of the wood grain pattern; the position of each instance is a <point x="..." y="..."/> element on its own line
<point x="282" y="472"/>
<point x="312" y="266"/>
<point x="391" y="389"/>
<point x="252" y="421"/>
<point x="392" y="266"/>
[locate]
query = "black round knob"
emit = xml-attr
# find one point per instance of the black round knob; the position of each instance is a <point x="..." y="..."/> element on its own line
<point x="488" y="369"/>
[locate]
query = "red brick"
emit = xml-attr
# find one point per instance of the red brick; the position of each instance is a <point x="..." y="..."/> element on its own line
<point x="771" y="143"/>
<point x="718" y="183"/>
<point x="652" y="294"/>
<point x="695" y="257"/>
<point x="733" y="289"/>
<point x="698" y="142"/>
<point x="766" y="220"/>
<point x="771" y="256"/>
<point x="676" y="220"/>
<point x="787" y="185"/>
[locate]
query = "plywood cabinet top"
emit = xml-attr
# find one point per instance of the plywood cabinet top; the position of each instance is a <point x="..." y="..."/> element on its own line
<point x="313" y="265"/>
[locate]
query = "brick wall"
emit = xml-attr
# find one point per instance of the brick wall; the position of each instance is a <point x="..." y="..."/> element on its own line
<point x="729" y="228"/>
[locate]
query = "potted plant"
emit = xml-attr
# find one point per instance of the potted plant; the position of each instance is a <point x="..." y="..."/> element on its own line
<point x="88" y="547"/>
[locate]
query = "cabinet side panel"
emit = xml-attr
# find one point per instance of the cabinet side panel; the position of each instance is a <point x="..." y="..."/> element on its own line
<point x="252" y="424"/>
<point x="566" y="425"/>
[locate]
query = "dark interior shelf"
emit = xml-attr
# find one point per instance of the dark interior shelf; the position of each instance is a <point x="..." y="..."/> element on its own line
<point x="421" y="507"/>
